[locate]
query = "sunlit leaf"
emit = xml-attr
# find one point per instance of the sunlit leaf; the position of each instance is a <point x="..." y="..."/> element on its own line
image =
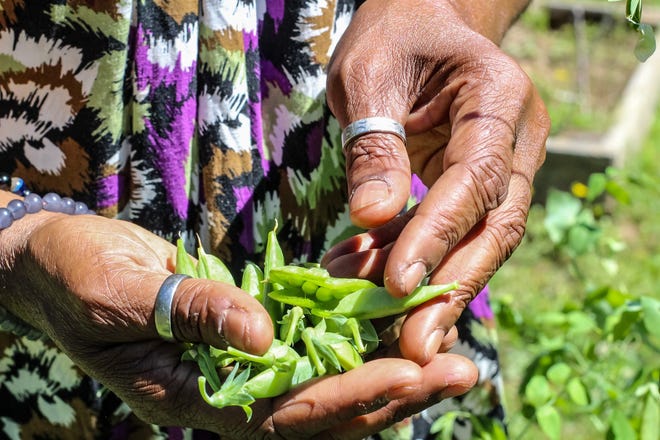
<point x="559" y="373"/>
<point x="577" y="392"/>
<point x="596" y="186"/>
<point x="550" y="421"/>
<point x="537" y="391"/>
<point x="650" y="429"/>
<point x="651" y="315"/>
<point x="620" y="426"/>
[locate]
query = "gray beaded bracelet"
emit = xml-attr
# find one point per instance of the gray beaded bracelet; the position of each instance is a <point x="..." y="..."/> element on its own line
<point x="32" y="203"/>
<point x="17" y="209"/>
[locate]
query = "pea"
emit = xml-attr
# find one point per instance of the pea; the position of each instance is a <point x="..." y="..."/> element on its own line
<point x="309" y="288"/>
<point x="324" y="294"/>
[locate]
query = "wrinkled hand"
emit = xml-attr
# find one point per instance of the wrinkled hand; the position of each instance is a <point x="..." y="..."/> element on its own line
<point x="90" y="283"/>
<point x="476" y="131"/>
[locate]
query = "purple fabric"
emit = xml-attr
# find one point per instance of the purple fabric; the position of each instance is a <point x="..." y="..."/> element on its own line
<point x="244" y="208"/>
<point x="480" y="305"/>
<point x="171" y="148"/>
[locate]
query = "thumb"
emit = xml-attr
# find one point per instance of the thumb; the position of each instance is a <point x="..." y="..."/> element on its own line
<point x="216" y="313"/>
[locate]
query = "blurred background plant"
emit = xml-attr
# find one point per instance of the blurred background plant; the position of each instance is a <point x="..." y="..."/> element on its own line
<point x="578" y="304"/>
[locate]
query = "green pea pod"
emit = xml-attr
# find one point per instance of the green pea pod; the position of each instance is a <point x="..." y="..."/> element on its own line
<point x="347" y="355"/>
<point x="304" y="371"/>
<point x="271" y="382"/>
<point x="252" y="281"/>
<point x="184" y="262"/>
<point x="274" y="258"/>
<point x="315" y="279"/>
<point x="212" y="268"/>
<point x="376" y="302"/>
<point x="292" y="297"/>
<point x="295" y="276"/>
<point x="340" y="287"/>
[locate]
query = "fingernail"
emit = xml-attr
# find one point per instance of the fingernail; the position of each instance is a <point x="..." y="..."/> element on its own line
<point x="369" y="193"/>
<point x="413" y="276"/>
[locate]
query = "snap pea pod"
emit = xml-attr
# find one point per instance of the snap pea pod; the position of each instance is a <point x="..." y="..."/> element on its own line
<point x="252" y="281"/>
<point x="184" y="262"/>
<point x="347" y="355"/>
<point x="316" y="281"/>
<point x="292" y="297"/>
<point x="270" y="382"/>
<point x="274" y="258"/>
<point x="378" y="303"/>
<point x="211" y="267"/>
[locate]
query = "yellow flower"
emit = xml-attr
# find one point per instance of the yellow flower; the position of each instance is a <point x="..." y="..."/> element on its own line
<point x="579" y="190"/>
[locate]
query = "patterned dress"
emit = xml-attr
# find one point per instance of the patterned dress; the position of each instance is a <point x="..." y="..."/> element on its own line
<point x="186" y="117"/>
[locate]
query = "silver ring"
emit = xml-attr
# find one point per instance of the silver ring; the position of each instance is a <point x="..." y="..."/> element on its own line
<point x="163" y="307"/>
<point x="375" y="124"/>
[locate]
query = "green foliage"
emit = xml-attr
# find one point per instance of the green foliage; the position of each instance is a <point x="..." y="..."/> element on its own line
<point x="593" y="358"/>
<point x="646" y="44"/>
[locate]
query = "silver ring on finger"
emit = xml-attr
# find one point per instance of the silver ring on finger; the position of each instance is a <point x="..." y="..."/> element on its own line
<point x="163" y="306"/>
<point x="376" y="124"/>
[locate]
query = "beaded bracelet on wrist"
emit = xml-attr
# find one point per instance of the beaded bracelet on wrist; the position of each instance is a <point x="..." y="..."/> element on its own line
<point x="17" y="209"/>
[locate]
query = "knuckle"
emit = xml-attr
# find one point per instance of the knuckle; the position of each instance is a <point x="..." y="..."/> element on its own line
<point x="489" y="176"/>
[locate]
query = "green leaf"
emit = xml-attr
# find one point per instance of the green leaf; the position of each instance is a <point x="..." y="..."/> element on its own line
<point x="620" y="426"/>
<point x="650" y="429"/>
<point x="618" y="192"/>
<point x="627" y="319"/>
<point x="559" y="373"/>
<point x="561" y="214"/>
<point x="577" y="392"/>
<point x="645" y="46"/>
<point x="596" y="186"/>
<point x="537" y="391"/>
<point x="550" y="421"/>
<point x="651" y="315"/>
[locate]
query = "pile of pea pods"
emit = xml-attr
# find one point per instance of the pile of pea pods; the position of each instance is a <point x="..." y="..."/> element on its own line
<point x="322" y="325"/>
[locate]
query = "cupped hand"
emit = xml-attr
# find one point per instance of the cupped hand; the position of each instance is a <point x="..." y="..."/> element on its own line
<point x="90" y="284"/>
<point x="476" y="131"/>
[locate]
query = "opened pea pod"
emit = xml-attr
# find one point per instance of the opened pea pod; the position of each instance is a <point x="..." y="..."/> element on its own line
<point x="322" y="325"/>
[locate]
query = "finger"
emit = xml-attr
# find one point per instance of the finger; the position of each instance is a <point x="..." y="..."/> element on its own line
<point x="472" y="263"/>
<point x="378" y="177"/>
<point x="220" y="315"/>
<point x="336" y="400"/>
<point x="447" y="375"/>
<point x="373" y="239"/>
<point x="202" y="311"/>
<point x="478" y="163"/>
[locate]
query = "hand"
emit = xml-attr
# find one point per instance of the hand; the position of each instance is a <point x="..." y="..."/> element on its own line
<point x="476" y="131"/>
<point x="90" y="283"/>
